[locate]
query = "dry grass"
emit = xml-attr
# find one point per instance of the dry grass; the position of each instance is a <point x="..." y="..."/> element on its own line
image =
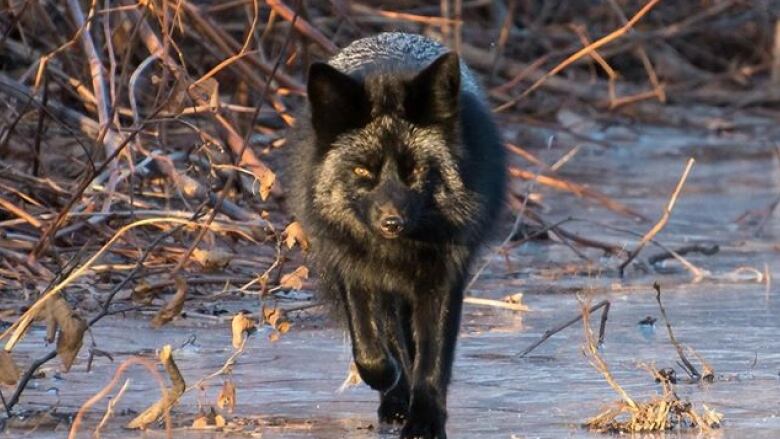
<point x="660" y="413"/>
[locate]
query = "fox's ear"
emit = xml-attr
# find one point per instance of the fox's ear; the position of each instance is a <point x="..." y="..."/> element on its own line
<point x="338" y="101"/>
<point x="432" y="96"/>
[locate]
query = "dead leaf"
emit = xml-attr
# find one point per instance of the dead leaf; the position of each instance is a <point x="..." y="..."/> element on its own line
<point x="208" y="420"/>
<point x="283" y="327"/>
<point x="200" y="422"/>
<point x="352" y="380"/>
<point x="143" y="293"/>
<point x="294" y="280"/>
<point x="9" y="372"/>
<point x="156" y="410"/>
<point x="176" y="98"/>
<point x="264" y="176"/>
<point x="271" y="315"/>
<point x="514" y="298"/>
<point x="241" y="324"/>
<point x="207" y="91"/>
<point x="174" y="306"/>
<point x="189" y="186"/>
<point x="70" y="340"/>
<point x="227" y="396"/>
<point x="214" y="259"/>
<point x="293" y="234"/>
<point x="60" y="317"/>
<point x="276" y="318"/>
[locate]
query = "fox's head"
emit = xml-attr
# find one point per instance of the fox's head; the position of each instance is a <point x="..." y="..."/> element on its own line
<point x="388" y="150"/>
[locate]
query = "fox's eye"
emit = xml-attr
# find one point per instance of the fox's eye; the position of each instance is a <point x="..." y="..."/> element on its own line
<point x="362" y="172"/>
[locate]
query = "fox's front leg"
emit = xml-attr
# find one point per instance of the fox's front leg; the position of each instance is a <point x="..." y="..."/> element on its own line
<point x="396" y="314"/>
<point x="435" y="322"/>
<point x="374" y="363"/>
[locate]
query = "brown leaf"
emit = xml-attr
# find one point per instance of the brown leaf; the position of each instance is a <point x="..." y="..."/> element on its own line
<point x="51" y="328"/>
<point x="207" y="90"/>
<point x="208" y="420"/>
<point x="200" y="422"/>
<point x="143" y="293"/>
<point x="293" y="234"/>
<point x="189" y="186"/>
<point x="227" y="396"/>
<point x="283" y="327"/>
<point x="166" y="358"/>
<point x="156" y="410"/>
<point x="59" y="315"/>
<point x="271" y="315"/>
<point x="174" y="306"/>
<point x="294" y="280"/>
<point x="276" y="318"/>
<point x="9" y="372"/>
<point x="353" y="378"/>
<point x="241" y="324"/>
<point x="177" y="97"/>
<point x="264" y="176"/>
<point x="214" y="259"/>
<point x="70" y="340"/>
<point x="514" y="298"/>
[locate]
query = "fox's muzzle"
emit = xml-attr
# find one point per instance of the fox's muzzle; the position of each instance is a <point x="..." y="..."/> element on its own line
<point x="389" y="220"/>
<point x="391" y="226"/>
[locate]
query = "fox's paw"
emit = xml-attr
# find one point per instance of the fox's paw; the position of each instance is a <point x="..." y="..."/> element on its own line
<point x="423" y="429"/>
<point x="426" y="420"/>
<point x="393" y="409"/>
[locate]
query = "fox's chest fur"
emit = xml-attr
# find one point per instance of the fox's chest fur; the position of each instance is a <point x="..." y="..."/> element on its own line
<point x="405" y="268"/>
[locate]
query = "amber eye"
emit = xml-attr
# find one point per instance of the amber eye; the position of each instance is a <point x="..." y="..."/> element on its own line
<point x="362" y="172"/>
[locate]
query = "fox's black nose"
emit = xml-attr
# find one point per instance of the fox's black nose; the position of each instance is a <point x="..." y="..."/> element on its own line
<point x="392" y="225"/>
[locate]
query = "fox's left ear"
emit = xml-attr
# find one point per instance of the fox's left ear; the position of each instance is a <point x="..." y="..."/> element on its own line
<point x="432" y="96"/>
<point x="338" y="101"/>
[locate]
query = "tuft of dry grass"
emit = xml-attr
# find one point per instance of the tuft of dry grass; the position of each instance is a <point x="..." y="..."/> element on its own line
<point x="660" y="413"/>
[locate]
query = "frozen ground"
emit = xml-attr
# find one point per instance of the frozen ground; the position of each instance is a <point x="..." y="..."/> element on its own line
<point x="287" y="389"/>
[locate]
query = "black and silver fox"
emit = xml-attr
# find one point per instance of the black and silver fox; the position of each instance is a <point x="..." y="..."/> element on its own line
<point x="398" y="173"/>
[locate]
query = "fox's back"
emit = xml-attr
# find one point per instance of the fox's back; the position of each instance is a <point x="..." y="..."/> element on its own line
<point x="397" y="50"/>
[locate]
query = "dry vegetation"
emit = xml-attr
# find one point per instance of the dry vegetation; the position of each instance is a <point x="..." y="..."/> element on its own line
<point x="660" y="413"/>
<point x="141" y="143"/>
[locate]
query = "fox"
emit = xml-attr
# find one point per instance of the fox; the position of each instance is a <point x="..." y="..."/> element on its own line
<point x="398" y="178"/>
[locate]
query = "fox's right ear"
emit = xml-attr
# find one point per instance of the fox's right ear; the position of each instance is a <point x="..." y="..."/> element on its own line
<point x="338" y="101"/>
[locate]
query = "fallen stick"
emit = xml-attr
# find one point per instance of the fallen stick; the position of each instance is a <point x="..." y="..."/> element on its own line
<point x="690" y="369"/>
<point x="576" y="189"/>
<point x="550" y="332"/>
<point x="564" y="234"/>
<point x="664" y="217"/>
<point x="495" y="303"/>
<point x="21" y="213"/>
<point x="694" y="248"/>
